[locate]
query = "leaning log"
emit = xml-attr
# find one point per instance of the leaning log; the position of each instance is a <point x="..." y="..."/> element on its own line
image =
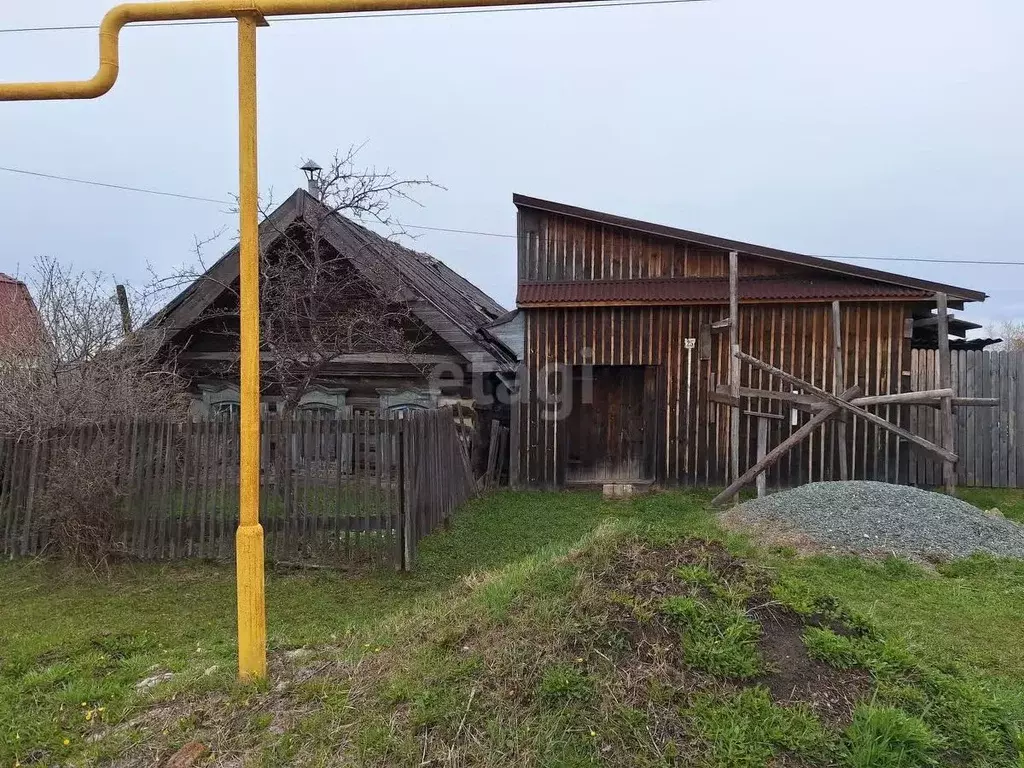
<point x="810" y="389"/>
<point x="784" y="447"/>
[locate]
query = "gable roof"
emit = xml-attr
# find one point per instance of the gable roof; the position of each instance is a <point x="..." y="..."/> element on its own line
<point x="953" y="292"/>
<point x="21" y="326"/>
<point x="443" y="300"/>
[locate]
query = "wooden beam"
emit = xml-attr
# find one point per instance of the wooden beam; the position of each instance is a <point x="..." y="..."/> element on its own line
<point x="724" y="398"/>
<point x="784" y="447"/>
<point x="927" y="322"/>
<point x="904" y="398"/>
<point x="734" y="365"/>
<point x="946" y="406"/>
<point x="809" y="388"/>
<point x="838" y="381"/>
<point x="771" y="394"/>
<point x="984" y="402"/>
<point x="765" y="415"/>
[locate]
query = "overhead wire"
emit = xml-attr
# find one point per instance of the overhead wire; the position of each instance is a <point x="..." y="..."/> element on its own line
<point x="363" y="15"/>
<point x="449" y="230"/>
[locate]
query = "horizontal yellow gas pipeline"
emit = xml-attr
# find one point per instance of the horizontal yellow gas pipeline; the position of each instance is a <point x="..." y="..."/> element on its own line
<point x="182" y="10"/>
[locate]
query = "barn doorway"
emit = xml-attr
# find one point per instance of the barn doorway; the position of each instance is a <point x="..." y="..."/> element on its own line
<point x="609" y="439"/>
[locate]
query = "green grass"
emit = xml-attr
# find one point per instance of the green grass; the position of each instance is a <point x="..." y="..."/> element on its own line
<point x="747" y="729"/>
<point x="1009" y="501"/>
<point x="73" y="641"/>
<point x="967" y="613"/>
<point x="481" y="645"/>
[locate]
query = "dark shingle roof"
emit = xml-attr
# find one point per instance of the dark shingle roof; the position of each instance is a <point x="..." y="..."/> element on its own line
<point x="442" y="299"/>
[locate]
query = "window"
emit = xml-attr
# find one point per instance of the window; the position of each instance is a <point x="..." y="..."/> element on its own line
<point x="402" y="401"/>
<point x="219" y="400"/>
<point x="225" y="408"/>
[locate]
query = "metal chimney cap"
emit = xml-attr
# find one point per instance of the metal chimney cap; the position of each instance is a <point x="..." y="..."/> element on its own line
<point x="310" y="167"/>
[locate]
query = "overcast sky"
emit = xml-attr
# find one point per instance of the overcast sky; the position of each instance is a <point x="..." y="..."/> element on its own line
<point x="843" y="128"/>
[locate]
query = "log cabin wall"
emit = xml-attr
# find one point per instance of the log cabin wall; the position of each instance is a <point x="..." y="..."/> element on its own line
<point x="691" y="432"/>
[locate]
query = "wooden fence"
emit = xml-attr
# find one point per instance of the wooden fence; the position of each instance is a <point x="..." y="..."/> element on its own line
<point x="989" y="441"/>
<point x="340" y="491"/>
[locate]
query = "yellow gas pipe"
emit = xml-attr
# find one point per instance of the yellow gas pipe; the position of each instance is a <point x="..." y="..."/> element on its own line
<point x="252" y="628"/>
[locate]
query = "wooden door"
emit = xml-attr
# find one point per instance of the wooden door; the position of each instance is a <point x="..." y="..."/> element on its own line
<point x="608" y="437"/>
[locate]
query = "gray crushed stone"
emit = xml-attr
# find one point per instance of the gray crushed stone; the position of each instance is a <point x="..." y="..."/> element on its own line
<point x="880" y="518"/>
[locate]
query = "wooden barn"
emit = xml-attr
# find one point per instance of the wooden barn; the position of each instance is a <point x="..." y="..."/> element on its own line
<point x="627" y="353"/>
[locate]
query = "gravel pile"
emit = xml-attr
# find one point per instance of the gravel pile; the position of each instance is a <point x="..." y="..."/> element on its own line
<point x="880" y="518"/>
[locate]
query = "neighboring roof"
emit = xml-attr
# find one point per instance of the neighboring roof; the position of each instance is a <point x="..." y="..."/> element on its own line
<point x="20" y="323"/>
<point x="677" y="290"/>
<point x="509" y="331"/>
<point x="953" y="292"/>
<point x="954" y="344"/>
<point x="443" y="300"/>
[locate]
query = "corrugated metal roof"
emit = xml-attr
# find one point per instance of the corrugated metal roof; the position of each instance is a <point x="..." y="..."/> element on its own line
<point x="707" y="290"/>
<point x="815" y="262"/>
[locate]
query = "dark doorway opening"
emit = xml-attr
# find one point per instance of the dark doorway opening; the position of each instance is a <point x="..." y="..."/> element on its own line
<point x="609" y="438"/>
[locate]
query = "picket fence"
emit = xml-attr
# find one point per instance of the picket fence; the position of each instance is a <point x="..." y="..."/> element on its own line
<point x="337" y="491"/>
<point x="989" y="441"/>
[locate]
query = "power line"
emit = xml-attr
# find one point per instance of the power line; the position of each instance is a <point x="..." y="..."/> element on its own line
<point x="364" y="15"/>
<point x="451" y="230"/>
<point x="122" y="187"/>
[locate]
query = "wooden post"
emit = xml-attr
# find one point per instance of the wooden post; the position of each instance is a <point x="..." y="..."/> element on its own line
<point x="513" y="439"/>
<point x="946" y="406"/>
<point x="734" y="368"/>
<point x="762" y="449"/>
<point x="839" y="382"/>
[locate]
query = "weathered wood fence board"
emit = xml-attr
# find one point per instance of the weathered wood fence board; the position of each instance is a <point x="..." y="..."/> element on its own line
<point x="339" y="490"/>
<point x="988" y="440"/>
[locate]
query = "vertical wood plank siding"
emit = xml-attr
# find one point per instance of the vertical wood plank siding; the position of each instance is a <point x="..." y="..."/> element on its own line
<point x="693" y="432"/>
<point x="560" y="248"/>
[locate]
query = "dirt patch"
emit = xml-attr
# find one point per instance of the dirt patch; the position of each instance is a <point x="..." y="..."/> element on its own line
<point x="795" y="677"/>
<point x="640" y="578"/>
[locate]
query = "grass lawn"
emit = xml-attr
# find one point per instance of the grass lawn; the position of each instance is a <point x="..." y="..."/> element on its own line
<point x="1010" y="501"/>
<point x="73" y="644"/>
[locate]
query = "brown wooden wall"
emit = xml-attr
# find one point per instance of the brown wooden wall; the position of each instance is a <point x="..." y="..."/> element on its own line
<point x="561" y="248"/>
<point x="692" y="432"/>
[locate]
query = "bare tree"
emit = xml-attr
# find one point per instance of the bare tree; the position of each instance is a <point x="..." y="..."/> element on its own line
<point x="317" y="305"/>
<point x="80" y="367"/>
<point x="1012" y="334"/>
<point x="72" y="378"/>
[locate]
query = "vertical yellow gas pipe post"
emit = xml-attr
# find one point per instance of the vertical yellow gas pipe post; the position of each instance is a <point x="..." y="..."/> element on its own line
<point x="252" y="620"/>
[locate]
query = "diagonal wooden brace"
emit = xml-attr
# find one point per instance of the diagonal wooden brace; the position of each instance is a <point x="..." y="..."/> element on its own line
<point x="784" y="447"/>
<point x="810" y="389"/>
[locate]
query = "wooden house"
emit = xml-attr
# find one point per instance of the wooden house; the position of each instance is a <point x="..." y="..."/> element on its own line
<point x="451" y="356"/>
<point x="626" y="352"/>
